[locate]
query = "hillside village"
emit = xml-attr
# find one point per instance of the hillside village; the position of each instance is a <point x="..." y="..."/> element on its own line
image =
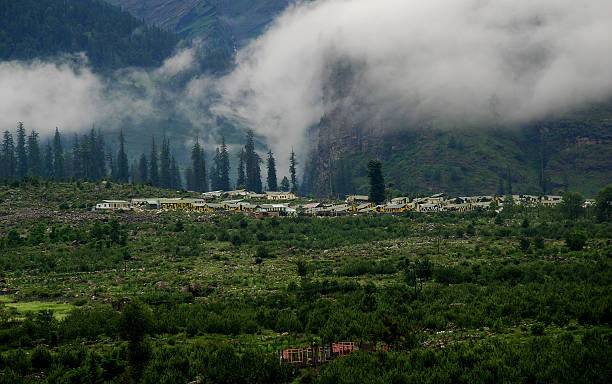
<point x="288" y="204"/>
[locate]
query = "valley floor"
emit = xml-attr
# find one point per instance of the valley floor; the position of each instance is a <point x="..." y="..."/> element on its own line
<point x="519" y="296"/>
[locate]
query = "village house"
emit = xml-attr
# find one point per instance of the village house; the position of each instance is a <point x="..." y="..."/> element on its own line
<point x="400" y="200"/>
<point x="550" y="200"/>
<point x="212" y="195"/>
<point x="281" y="209"/>
<point x="395" y="208"/>
<point x="149" y="203"/>
<point x="357" y="199"/>
<point x="280" y="196"/>
<point x="114" y="205"/>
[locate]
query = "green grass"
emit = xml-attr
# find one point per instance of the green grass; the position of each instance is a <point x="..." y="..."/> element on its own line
<point x="59" y="309"/>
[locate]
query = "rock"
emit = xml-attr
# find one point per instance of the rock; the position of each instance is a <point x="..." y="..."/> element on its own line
<point x="163" y="285"/>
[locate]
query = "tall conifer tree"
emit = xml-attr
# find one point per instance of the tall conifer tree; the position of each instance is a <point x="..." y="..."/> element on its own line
<point x="58" y="157"/>
<point x="34" y="154"/>
<point x="377" y="182"/>
<point x="241" y="181"/>
<point x="272" y="182"/>
<point x="20" y="151"/>
<point x="165" y="179"/>
<point x="199" y="181"/>
<point x="73" y="159"/>
<point x="98" y="147"/>
<point x="252" y="160"/>
<point x="204" y="178"/>
<point x="224" y="167"/>
<point x="123" y="171"/>
<point x="48" y="161"/>
<point x="293" y="172"/>
<point x="153" y="166"/>
<point x="143" y="171"/>
<point x="214" y="171"/>
<point x="8" y="164"/>
<point x="112" y="165"/>
<point x="175" y="175"/>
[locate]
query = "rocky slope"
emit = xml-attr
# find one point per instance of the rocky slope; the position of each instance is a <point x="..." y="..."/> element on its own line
<point x="571" y="152"/>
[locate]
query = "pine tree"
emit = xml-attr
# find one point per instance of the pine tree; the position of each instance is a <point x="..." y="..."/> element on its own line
<point x="224" y="167"/>
<point x="86" y="157"/>
<point x="133" y="172"/>
<point x="123" y="173"/>
<point x="58" y="157"/>
<point x="252" y="160"/>
<point x="75" y="156"/>
<point x="204" y="178"/>
<point x="293" y="172"/>
<point x="8" y="164"/>
<point x="97" y="150"/>
<point x="143" y="171"/>
<point x="199" y="181"/>
<point x="48" y="161"/>
<point x="153" y="170"/>
<point x="165" y="179"/>
<point x="112" y="165"/>
<point x="241" y="181"/>
<point x="189" y="179"/>
<point x="272" y="183"/>
<point x="284" y="185"/>
<point x="175" y="175"/>
<point x="377" y="182"/>
<point x="34" y="155"/>
<point x="214" y="171"/>
<point x="20" y="152"/>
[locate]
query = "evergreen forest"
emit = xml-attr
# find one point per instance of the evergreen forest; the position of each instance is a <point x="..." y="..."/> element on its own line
<point x="111" y="38"/>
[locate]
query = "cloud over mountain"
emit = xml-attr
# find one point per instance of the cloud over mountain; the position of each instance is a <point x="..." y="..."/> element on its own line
<point x="472" y="61"/>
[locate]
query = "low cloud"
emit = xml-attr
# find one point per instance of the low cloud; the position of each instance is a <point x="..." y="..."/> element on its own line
<point x="47" y="95"/>
<point x="466" y="61"/>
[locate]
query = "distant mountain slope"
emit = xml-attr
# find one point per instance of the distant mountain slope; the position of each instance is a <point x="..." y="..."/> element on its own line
<point x="111" y="38"/>
<point x="572" y="152"/>
<point x="226" y="23"/>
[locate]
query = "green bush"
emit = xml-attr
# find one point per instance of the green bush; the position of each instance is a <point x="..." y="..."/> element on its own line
<point x="575" y="241"/>
<point x="537" y="329"/>
<point x="41" y="358"/>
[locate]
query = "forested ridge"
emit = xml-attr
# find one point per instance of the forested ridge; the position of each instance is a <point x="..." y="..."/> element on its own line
<point x="111" y="38"/>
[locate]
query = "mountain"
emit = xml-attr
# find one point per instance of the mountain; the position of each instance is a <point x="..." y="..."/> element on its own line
<point x="225" y="24"/>
<point x="110" y="37"/>
<point x="568" y="152"/>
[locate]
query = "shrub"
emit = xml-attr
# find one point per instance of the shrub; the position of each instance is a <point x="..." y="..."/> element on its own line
<point x="537" y="329"/>
<point x="41" y="358"/>
<point x="524" y="244"/>
<point x="262" y="252"/>
<point x="575" y="241"/>
<point x="301" y="268"/>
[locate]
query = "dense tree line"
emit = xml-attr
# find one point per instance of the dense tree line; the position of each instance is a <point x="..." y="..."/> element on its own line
<point x="85" y="157"/>
<point x="89" y="157"/>
<point x="110" y="37"/>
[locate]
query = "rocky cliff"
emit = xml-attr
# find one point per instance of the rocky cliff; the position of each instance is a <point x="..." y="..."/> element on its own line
<point x="570" y="152"/>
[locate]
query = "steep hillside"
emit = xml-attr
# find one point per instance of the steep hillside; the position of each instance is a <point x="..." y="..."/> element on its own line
<point x="225" y="24"/>
<point x="110" y="38"/>
<point x="570" y="152"/>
